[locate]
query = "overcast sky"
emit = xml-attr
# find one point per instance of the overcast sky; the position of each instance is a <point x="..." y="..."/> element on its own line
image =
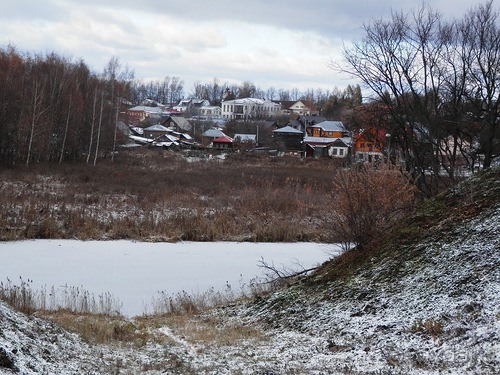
<point x="280" y="43"/>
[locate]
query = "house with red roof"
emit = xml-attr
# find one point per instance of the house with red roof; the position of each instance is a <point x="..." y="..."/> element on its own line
<point x="223" y="143"/>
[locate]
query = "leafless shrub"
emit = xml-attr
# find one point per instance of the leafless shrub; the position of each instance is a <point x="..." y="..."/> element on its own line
<point x="367" y="201"/>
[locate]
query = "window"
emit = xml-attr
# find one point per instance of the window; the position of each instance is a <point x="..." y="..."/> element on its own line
<point x="341" y="151"/>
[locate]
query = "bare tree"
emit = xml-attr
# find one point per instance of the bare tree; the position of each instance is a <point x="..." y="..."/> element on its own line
<point x="176" y="89"/>
<point x="65" y="132"/>
<point x="271" y="93"/>
<point x="99" y="127"/>
<point x="37" y="110"/>
<point x="439" y="80"/>
<point x="411" y="64"/>
<point x="92" y="123"/>
<point x="280" y="274"/>
<point x="246" y="90"/>
<point x="482" y="36"/>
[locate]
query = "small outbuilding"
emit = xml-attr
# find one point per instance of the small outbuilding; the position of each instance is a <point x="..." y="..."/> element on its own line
<point x="288" y="137"/>
<point x="223" y="143"/>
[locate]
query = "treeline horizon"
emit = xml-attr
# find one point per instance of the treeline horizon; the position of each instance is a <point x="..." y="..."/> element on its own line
<point x="55" y="108"/>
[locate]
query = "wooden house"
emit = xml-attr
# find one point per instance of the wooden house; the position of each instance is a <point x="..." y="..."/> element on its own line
<point x="141" y="113"/>
<point x="368" y="144"/>
<point x="222" y="143"/>
<point x="288" y="138"/>
<point x="331" y="147"/>
<point x="245" y="141"/>
<point x="327" y="129"/>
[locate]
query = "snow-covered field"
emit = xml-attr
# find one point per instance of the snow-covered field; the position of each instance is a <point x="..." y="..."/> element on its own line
<point x="135" y="272"/>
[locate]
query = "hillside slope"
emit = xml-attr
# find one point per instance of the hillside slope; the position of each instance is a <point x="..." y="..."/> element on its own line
<point x="425" y="299"/>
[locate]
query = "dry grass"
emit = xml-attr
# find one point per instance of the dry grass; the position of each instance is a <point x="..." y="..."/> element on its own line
<point x="98" y="320"/>
<point x="183" y="303"/>
<point x="160" y="196"/>
<point x="103" y="329"/>
<point x="208" y="331"/>
<point x="23" y="297"/>
<point x="430" y="327"/>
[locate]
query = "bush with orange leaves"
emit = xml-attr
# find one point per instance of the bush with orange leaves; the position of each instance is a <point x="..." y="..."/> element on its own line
<point x="368" y="200"/>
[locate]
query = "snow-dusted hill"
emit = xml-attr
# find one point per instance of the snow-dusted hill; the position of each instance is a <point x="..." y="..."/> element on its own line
<point x="425" y="300"/>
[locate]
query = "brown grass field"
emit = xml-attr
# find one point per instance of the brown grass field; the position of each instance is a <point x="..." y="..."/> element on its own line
<point x="154" y="195"/>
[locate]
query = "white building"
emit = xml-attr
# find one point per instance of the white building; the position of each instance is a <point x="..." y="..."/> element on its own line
<point x="249" y="108"/>
<point x="191" y="104"/>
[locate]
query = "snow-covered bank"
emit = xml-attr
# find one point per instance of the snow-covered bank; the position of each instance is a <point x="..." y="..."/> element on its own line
<point x="135" y="272"/>
<point x="425" y="300"/>
<point x="439" y="317"/>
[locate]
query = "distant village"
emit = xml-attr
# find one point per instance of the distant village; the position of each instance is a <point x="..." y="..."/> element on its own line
<point x="249" y="125"/>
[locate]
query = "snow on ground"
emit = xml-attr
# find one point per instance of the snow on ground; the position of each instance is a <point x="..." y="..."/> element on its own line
<point x="34" y="346"/>
<point x="442" y="317"/>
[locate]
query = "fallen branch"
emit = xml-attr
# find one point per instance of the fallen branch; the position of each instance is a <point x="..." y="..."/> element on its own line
<point x="273" y="274"/>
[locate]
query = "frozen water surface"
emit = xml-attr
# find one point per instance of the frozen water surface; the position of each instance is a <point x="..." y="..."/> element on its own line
<point x="135" y="272"/>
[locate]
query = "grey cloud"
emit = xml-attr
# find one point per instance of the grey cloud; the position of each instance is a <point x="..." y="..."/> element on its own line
<point x="32" y="10"/>
<point x="338" y="19"/>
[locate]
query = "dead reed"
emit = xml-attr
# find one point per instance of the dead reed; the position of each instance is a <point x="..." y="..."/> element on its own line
<point x="97" y="319"/>
<point x="150" y="195"/>
<point x="23" y="297"/>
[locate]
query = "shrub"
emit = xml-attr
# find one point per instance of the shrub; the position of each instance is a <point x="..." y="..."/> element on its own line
<point x="367" y="201"/>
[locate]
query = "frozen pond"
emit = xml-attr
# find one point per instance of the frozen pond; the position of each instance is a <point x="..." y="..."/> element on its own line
<point x="135" y="272"/>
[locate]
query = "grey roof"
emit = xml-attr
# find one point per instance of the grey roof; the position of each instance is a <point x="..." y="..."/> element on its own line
<point x="336" y="126"/>
<point x="182" y="123"/>
<point x="338" y="141"/>
<point x="214" y="133"/>
<point x="287" y="129"/>
<point x="156" y="128"/>
<point x="146" y="108"/>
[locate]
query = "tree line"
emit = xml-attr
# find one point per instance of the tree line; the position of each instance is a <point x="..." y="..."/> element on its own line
<point x="437" y="88"/>
<point x="54" y="108"/>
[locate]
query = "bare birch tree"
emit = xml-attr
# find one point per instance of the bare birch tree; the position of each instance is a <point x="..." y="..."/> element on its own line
<point x="92" y="124"/>
<point x="37" y="110"/>
<point x="99" y="127"/>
